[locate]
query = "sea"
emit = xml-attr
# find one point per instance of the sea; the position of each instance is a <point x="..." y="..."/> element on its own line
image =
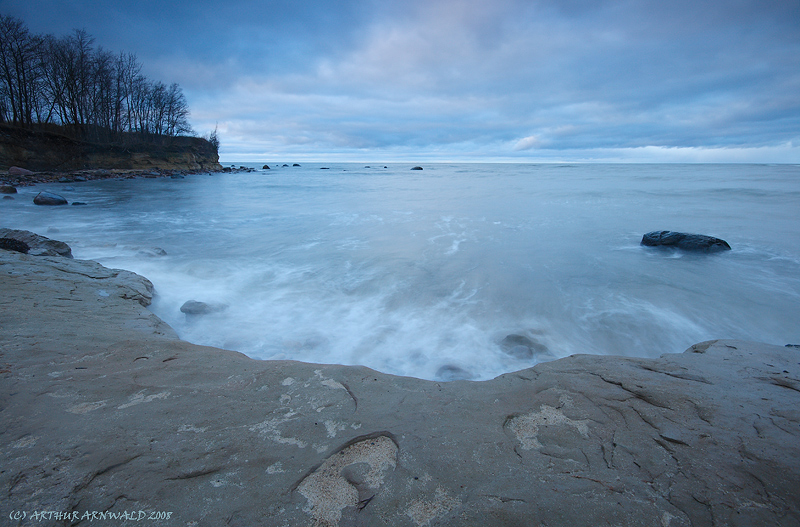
<point x="456" y="271"/>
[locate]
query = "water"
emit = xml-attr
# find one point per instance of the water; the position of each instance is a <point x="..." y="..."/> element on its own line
<point x="425" y="273"/>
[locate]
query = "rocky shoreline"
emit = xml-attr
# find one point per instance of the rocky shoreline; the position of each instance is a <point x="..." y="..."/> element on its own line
<point x="107" y="411"/>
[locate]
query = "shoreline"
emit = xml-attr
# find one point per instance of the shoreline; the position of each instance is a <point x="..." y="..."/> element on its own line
<point x="75" y="176"/>
<point x="107" y="409"/>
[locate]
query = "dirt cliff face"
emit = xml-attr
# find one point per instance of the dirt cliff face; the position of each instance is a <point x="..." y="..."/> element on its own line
<point x="46" y="151"/>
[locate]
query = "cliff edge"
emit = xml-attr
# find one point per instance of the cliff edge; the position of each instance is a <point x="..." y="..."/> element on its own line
<point x="107" y="411"/>
<point x="41" y="150"/>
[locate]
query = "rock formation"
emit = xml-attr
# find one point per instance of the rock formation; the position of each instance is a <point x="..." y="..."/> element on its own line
<point x="687" y="242"/>
<point x="105" y="409"/>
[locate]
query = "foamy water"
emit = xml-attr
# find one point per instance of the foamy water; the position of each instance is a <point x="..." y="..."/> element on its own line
<point x="425" y="273"/>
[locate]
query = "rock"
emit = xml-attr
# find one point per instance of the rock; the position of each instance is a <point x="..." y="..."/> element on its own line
<point x="296" y="165"/>
<point x="265" y="167"/>
<point x="11" y="244"/>
<point x="687" y="242"/>
<point x="324" y="168"/>
<point x="8" y="189"/>
<point x="7" y="197"/>
<point x="38" y="245"/>
<point x="78" y="203"/>
<point x="193" y="307"/>
<point x="522" y="347"/>
<point x="18" y="171"/>
<point x="104" y="408"/>
<point x="285" y="165"/>
<point x="415" y="168"/>
<point x="48" y="198"/>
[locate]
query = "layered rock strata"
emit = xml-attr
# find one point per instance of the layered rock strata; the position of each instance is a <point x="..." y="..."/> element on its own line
<point x="105" y="409"/>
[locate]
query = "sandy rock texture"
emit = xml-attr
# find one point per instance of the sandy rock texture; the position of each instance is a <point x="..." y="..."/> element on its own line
<point x="105" y="409"/>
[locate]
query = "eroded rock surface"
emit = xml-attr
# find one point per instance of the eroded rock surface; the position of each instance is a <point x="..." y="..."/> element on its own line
<point x="104" y="408"/>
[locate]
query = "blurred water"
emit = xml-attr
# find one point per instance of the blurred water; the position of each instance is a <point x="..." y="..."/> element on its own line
<point x="424" y="273"/>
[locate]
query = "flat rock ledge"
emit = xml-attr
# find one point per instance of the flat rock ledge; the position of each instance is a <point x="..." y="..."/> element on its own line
<point x="105" y="410"/>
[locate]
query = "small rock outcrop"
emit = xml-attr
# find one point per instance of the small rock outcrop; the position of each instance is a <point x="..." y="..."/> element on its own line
<point x="265" y="167"/>
<point x="10" y="244"/>
<point x="37" y="245"/>
<point x="8" y="189"/>
<point x="684" y="241"/>
<point x="417" y="168"/>
<point x="48" y="198"/>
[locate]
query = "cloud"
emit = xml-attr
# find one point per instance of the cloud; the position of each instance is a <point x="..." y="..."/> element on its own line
<point x="508" y="78"/>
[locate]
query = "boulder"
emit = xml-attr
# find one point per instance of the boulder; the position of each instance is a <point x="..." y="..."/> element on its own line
<point x="18" y="171"/>
<point x="684" y="241"/>
<point x="296" y="165"/>
<point x="48" y="198"/>
<point x="265" y="167"/>
<point x="37" y="245"/>
<point x="8" y="189"/>
<point x="417" y="168"/>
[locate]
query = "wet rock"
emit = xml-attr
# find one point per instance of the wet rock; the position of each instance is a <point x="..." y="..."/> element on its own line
<point x="193" y="307"/>
<point x="522" y="347"/>
<point x="10" y="244"/>
<point x="684" y="241"/>
<point x="296" y="165"/>
<point x="78" y="203"/>
<point x="265" y="167"/>
<point x="38" y="245"/>
<point x="7" y="197"/>
<point x="417" y="168"/>
<point x="48" y="198"/>
<point x="8" y="189"/>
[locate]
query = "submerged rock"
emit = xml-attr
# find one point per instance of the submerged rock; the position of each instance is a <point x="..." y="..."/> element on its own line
<point x="193" y="307"/>
<point x="687" y="242"/>
<point x="8" y="189"/>
<point x="48" y="198"/>
<point x="265" y="167"/>
<point x="522" y="347"/>
<point x="450" y="372"/>
<point x="415" y="168"/>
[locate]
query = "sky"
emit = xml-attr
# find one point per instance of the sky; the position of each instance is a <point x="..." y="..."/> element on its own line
<point x="466" y="80"/>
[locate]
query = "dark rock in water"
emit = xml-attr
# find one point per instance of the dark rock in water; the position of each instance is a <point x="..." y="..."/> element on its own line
<point x="38" y="245"/>
<point x="296" y="165"/>
<point x="7" y="197"/>
<point x="417" y="168"/>
<point x="177" y="176"/>
<point x="10" y="244"/>
<point x="285" y="165"/>
<point x="324" y="168"/>
<point x="47" y="198"/>
<point x="78" y="203"/>
<point x="8" y="189"/>
<point x="682" y="240"/>
<point x="522" y="347"/>
<point x="193" y="307"/>
<point x="449" y="372"/>
<point x="265" y="167"/>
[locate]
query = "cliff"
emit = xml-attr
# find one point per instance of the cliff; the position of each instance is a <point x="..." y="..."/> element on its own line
<point x="41" y="150"/>
<point x="106" y="410"/>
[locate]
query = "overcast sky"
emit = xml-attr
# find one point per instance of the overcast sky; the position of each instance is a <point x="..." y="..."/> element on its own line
<point x="465" y="80"/>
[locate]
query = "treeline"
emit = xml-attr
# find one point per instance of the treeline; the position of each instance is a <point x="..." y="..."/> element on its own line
<point x="91" y="93"/>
